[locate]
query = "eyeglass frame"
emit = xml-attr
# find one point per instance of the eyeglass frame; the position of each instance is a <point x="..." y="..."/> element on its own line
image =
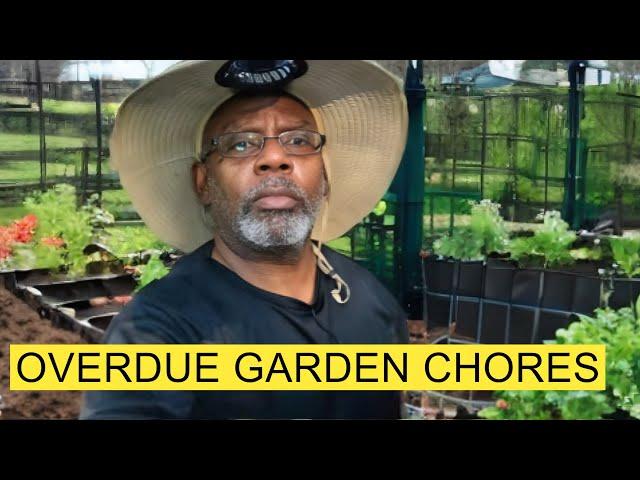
<point x="215" y="140"/>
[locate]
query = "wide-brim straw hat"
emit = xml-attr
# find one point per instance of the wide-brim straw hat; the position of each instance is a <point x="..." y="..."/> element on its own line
<point x="359" y="106"/>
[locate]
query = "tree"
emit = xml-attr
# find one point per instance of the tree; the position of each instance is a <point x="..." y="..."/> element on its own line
<point x="148" y="66"/>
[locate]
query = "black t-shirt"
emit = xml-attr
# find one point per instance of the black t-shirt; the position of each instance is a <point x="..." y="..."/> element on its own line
<point x="202" y="301"/>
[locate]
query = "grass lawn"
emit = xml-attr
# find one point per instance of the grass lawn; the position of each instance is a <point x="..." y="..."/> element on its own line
<point x="14" y="100"/>
<point x="77" y="108"/>
<point x="15" y="142"/>
<point x="8" y="214"/>
<point x="29" y="171"/>
<point x="115" y="199"/>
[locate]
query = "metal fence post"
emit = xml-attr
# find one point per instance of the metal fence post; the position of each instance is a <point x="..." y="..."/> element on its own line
<point x="43" y="143"/>
<point x="95" y="83"/>
<point x="409" y="188"/>
<point x="577" y="69"/>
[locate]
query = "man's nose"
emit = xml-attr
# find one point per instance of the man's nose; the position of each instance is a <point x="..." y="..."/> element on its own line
<point x="273" y="158"/>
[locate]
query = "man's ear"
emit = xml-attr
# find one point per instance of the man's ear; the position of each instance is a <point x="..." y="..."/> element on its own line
<point x="199" y="176"/>
<point x="327" y="187"/>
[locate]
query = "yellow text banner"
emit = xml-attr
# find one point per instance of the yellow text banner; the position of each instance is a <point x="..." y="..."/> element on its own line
<point x="307" y="367"/>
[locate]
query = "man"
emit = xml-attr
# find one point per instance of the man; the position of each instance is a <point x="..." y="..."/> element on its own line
<point x="277" y="171"/>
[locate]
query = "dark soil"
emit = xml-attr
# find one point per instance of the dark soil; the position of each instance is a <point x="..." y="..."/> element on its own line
<point x="20" y="324"/>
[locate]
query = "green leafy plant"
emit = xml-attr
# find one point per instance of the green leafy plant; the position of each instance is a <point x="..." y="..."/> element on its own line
<point x="153" y="270"/>
<point x="123" y="241"/>
<point x="58" y="218"/>
<point x="486" y="233"/>
<point x="550" y="245"/>
<point x="626" y="253"/>
<point x="100" y="217"/>
<point x="586" y="253"/>
<point x="619" y="330"/>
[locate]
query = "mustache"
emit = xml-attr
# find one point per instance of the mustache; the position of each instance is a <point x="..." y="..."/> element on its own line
<point x="275" y="186"/>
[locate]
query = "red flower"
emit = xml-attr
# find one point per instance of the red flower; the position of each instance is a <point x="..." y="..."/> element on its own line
<point x="24" y="228"/>
<point x="20" y="231"/>
<point x="502" y="404"/>
<point x="6" y="239"/>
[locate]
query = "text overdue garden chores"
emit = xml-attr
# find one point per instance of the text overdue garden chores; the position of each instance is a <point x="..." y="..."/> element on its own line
<point x="307" y="367"/>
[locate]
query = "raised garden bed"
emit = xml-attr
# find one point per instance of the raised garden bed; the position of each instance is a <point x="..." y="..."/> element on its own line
<point x="498" y="302"/>
<point x="70" y="303"/>
<point x="19" y="323"/>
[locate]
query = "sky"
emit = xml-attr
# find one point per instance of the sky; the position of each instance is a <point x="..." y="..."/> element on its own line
<point x="82" y="70"/>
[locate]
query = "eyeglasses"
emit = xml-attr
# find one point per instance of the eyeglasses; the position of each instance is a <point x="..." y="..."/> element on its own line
<point x="248" y="144"/>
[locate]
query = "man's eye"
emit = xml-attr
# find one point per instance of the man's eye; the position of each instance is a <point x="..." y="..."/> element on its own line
<point x="240" y="146"/>
<point x="299" y="140"/>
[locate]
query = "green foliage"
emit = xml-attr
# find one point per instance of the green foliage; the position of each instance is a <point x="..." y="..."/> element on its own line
<point x="526" y="139"/>
<point x="626" y="253"/>
<point x="550" y="244"/>
<point x="380" y="208"/>
<point x="126" y="240"/>
<point x="36" y="255"/>
<point x="585" y="253"/>
<point x="8" y="214"/>
<point x="485" y="234"/>
<point x="153" y="270"/>
<point x="57" y="217"/>
<point x="548" y="405"/>
<point x="69" y="107"/>
<point x="620" y="332"/>
<point x="12" y="142"/>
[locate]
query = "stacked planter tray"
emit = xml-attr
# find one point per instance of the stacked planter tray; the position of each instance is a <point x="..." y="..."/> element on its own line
<point x="498" y="302"/>
<point x="66" y="301"/>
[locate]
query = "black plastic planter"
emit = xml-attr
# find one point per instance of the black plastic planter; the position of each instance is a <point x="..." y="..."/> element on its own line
<point x="499" y="279"/>
<point x="66" y="301"/>
<point x="587" y="294"/>
<point x="102" y="322"/>
<point x="494" y="323"/>
<point x="467" y="319"/>
<point x="470" y="279"/>
<point x="526" y="287"/>
<point x="440" y="276"/>
<point x="625" y="292"/>
<point x="550" y="322"/>
<point x="558" y="290"/>
<point x="498" y="302"/>
<point x="522" y="324"/>
<point x="8" y="279"/>
<point x="58" y="293"/>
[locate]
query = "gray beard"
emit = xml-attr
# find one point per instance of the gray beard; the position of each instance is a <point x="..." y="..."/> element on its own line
<point x="271" y="232"/>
